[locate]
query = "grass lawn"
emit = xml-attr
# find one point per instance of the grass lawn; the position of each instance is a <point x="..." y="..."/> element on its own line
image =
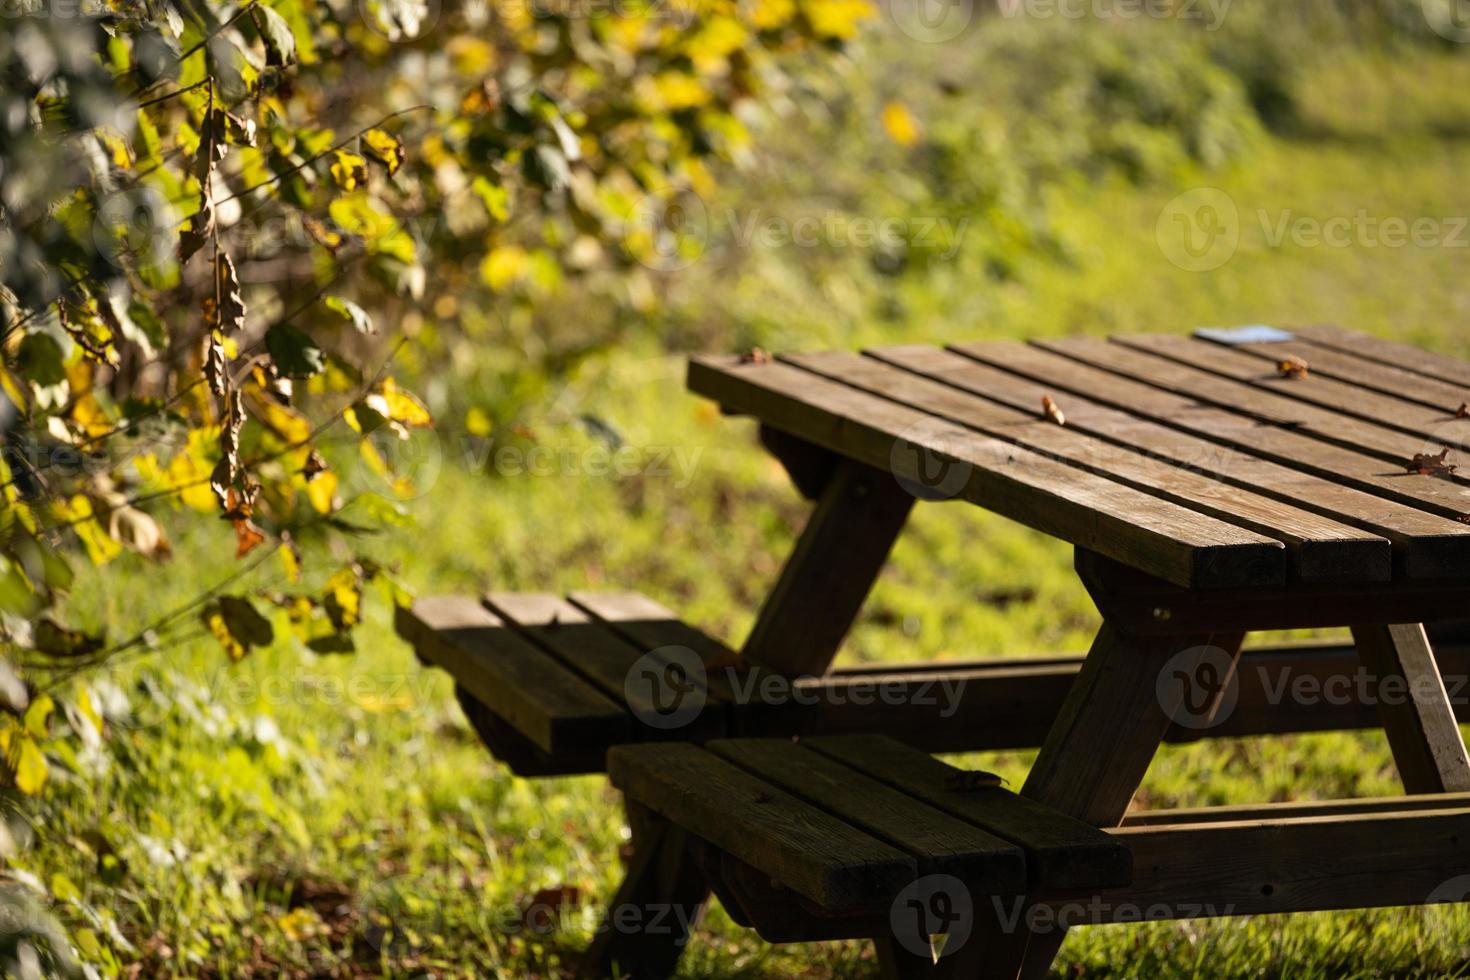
<point x="274" y="814"/>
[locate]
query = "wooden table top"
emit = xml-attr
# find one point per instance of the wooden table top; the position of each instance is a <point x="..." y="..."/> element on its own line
<point x="1230" y="459"/>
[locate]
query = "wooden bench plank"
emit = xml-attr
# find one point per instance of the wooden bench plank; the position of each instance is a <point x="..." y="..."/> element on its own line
<point x="1060" y="852"/>
<point x="808" y="850"/>
<point x="553" y="707"/>
<point x="1431" y="364"/>
<point x="1427" y="545"/>
<point x="1250" y="812"/>
<point x="1171" y="541"/>
<point x="1417" y="420"/>
<point x="1259" y="402"/>
<point x="1324" y="549"/>
<point x="1296" y="864"/>
<point x="604" y="657"/>
<point x="940" y="843"/>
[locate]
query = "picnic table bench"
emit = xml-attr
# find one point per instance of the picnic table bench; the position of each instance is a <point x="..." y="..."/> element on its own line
<point x="1212" y="485"/>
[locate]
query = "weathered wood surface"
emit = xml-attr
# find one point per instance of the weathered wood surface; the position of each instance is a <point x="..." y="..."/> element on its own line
<point x="1169" y="540"/>
<point x="806" y="848"/>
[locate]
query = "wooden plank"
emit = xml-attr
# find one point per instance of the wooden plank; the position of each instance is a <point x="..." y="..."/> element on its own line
<point x="1261" y="403"/>
<point x="1415" y="708"/>
<point x="1417" y="420"/>
<point x="1254" y="812"/>
<point x="836" y="560"/>
<point x="1438" y="496"/>
<point x="1426" y="545"/>
<point x="1061" y="852"/>
<point x="940" y="843"/>
<point x="810" y="851"/>
<point x="1323" y="549"/>
<point x="518" y="752"/>
<point x="553" y="707"/>
<point x="1170" y="541"/>
<point x="1295" y="864"/>
<point x="1153" y="607"/>
<point x="1431" y="364"/>
<point x="605" y="658"/>
<point x="1406" y="386"/>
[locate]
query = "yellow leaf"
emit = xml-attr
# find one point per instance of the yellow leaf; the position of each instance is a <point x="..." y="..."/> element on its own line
<point x="900" y="124"/>
<point x="350" y="170"/>
<point x="503" y="266"/>
<point x="837" y="18"/>
<point x="290" y="561"/>
<point x="321" y="490"/>
<point x="477" y="422"/>
<point x="342" y="599"/>
<point x="285" y="422"/>
<point x="404" y="407"/>
<point x="37" y="718"/>
<point x="29" y="765"/>
<point x="79" y="515"/>
<point x="385" y="148"/>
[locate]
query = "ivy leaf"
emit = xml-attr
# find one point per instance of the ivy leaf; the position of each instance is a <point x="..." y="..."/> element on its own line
<point x="280" y="43"/>
<point x="237" y="625"/>
<point x="295" y="354"/>
<point x="385" y="148"/>
<point x="351" y="311"/>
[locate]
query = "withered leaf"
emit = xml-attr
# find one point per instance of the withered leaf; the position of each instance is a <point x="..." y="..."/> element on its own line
<point x="1052" y="411"/>
<point x="58" y="641"/>
<point x="755" y="355"/>
<point x="231" y="312"/>
<point x="969" y="780"/>
<point x="1426" y="464"/>
<point x="247" y="536"/>
<point x="201" y="226"/>
<point x="214" y="364"/>
<point x="1292" y="367"/>
<point x="1463" y="412"/>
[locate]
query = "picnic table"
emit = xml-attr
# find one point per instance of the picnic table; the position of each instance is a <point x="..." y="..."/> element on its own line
<point x="1212" y="485"/>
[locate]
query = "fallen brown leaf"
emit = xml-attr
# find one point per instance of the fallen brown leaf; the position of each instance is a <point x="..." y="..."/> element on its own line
<point x="1052" y="411"/>
<point x="1292" y="367"/>
<point x="969" y="780"/>
<point x="755" y="355"/>
<point x="1463" y="412"/>
<point x="1425" y="464"/>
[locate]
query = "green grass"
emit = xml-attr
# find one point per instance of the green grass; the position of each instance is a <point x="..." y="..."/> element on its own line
<point x="271" y="813"/>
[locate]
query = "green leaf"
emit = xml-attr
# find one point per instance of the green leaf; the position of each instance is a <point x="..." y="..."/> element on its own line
<point x="280" y="43"/>
<point x="295" y="354"/>
<point x="57" y="641"/>
<point x="351" y="311"/>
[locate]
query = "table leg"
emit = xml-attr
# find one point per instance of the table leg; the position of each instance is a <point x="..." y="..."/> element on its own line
<point x="646" y="925"/>
<point x="1092" y="762"/>
<point x="1414" y="708"/>
<point x="835" y="562"/>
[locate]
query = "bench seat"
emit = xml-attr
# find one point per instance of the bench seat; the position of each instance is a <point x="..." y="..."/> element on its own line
<point x="823" y="837"/>
<point x="551" y="683"/>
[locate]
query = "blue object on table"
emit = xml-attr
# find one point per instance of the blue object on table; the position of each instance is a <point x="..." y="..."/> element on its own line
<point x="1255" y="333"/>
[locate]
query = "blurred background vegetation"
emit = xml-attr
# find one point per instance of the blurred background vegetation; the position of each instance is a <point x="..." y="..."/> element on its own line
<point x="298" y="814"/>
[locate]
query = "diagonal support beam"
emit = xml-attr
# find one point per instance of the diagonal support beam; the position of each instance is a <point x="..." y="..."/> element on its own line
<point x="1414" y="708"/>
<point x="827" y="577"/>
